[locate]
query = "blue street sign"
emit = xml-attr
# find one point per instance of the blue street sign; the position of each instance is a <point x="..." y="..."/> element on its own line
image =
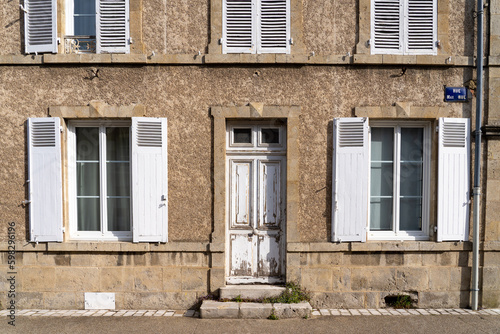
<point x="455" y="94"/>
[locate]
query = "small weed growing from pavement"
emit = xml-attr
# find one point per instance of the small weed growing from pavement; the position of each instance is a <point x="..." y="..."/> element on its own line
<point x="273" y="316"/>
<point x="238" y="299"/>
<point x="399" y="301"/>
<point x="293" y="294"/>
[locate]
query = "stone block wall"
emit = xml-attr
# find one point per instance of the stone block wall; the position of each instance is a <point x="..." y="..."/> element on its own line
<point x="140" y="280"/>
<point x="362" y="279"/>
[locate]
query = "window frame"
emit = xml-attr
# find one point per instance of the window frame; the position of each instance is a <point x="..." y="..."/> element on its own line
<point x="396" y="234"/>
<point x="103" y="234"/>
<point x="403" y="32"/>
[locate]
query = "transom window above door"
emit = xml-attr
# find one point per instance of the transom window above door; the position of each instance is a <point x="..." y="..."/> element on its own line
<point x="259" y="136"/>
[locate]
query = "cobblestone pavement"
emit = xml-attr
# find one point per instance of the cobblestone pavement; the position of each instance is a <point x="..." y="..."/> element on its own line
<point x="192" y="313"/>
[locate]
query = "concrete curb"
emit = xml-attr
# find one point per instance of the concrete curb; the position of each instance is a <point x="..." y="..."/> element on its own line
<point x="231" y="310"/>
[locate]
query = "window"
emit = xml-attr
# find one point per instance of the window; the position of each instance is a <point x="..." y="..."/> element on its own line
<point x="256" y="26"/>
<point x="399" y="180"/>
<point x="100" y="26"/>
<point x="117" y="179"/>
<point x="382" y="178"/>
<point x="101" y="173"/>
<point x="403" y="27"/>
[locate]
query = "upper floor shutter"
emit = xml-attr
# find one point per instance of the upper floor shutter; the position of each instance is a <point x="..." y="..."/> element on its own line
<point x="274" y="26"/>
<point x="149" y="179"/>
<point x="453" y="179"/>
<point x="45" y="179"/>
<point x="350" y="178"/>
<point x="386" y="26"/>
<point x="40" y="26"/>
<point x="112" y="26"/>
<point x="238" y="26"/>
<point x="420" y="26"/>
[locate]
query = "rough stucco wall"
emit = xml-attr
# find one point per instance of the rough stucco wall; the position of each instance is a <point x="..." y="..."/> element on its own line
<point x="462" y="23"/>
<point x="11" y="28"/>
<point x="331" y="26"/>
<point x="184" y="95"/>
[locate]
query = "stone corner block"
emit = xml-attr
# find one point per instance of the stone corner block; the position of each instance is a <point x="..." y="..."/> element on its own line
<point x="218" y="310"/>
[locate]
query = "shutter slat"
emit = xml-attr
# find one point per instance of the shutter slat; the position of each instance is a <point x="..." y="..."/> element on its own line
<point x="45" y="180"/>
<point x="420" y="25"/>
<point x="40" y="24"/>
<point x="112" y="26"/>
<point x="149" y="179"/>
<point x="386" y="25"/>
<point x="350" y="177"/>
<point x="453" y="179"/>
<point x="238" y="26"/>
<point x="273" y="25"/>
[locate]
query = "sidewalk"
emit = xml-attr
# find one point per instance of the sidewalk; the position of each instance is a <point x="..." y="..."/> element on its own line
<point x="195" y="314"/>
<point x="346" y="321"/>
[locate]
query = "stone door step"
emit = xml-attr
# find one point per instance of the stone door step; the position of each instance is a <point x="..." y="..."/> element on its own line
<point x="250" y="291"/>
<point x="231" y="310"/>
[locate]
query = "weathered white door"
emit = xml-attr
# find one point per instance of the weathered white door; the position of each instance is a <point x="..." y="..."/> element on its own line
<point x="256" y="167"/>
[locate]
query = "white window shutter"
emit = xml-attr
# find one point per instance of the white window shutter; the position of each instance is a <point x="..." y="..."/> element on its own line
<point x="112" y="26"/>
<point x="149" y="179"/>
<point x="274" y="26"/>
<point x="453" y="179"/>
<point x="238" y="27"/>
<point x="40" y="26"/>
<point x="386" y="26"/>
<point x="45" y="179"/>
<point x="420" y="26"/>
<point x="350" y="179"/>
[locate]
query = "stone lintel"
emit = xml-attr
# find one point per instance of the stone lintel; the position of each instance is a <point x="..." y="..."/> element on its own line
<point x="98" y="109"/>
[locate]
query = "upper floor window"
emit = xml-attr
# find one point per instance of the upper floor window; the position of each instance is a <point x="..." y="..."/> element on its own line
<point x="100" y="26"/>
<point x="404" y="27"/>
<point x="256" y="26"/>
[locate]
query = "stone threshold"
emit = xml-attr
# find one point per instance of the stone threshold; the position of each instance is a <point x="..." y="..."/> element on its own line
<point x="232" y="310"/>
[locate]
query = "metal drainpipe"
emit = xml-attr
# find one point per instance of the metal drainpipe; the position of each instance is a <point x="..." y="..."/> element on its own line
<point x="477" y="158"/>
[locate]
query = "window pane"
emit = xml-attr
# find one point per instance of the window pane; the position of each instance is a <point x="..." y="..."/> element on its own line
<point x="381" y="214"/>
<point x="118" y="175"/>
<point x="410" y="214"/>
<point x="382" y="144"/>
<point x="87" y="178"/>
<point x="412" y="144"/>
<point x="411" y="179"/>
<point x="87" y="144"/>
<point x="84" y="25"/>
<point x="270" y="136"/>
<point x="88" y="214"/>
<point x="117" y="144"/>
<point x="118" y="214"/>
<point x="242" y="136"/>
<point x="381" y="179"/>
<point x="84" y="6"/>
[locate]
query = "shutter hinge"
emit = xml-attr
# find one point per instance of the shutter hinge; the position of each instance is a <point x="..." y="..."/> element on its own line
<point x="221" y="40"/>
<point x="63" y="229"/>
<point x="23" y="9"/>
<point x="369" y="42"/>
<point x="437" y="128"/>
<point x="130" y="40"/>
<point x="291" y="41"/>
<point x="26" y="201"/>
<point x="61" y="128"/>
<point x="435" y="228"/>
<point x="58" y="40"/>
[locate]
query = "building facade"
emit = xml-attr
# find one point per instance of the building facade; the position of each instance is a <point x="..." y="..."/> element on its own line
<point x="160" y="150"/>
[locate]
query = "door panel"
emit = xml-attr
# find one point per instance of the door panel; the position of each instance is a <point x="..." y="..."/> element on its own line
<point x="241" y="193"/>
<point x="241" y="249"/>
<point x="269" y="194"/>
<point x="269" y="254"/>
